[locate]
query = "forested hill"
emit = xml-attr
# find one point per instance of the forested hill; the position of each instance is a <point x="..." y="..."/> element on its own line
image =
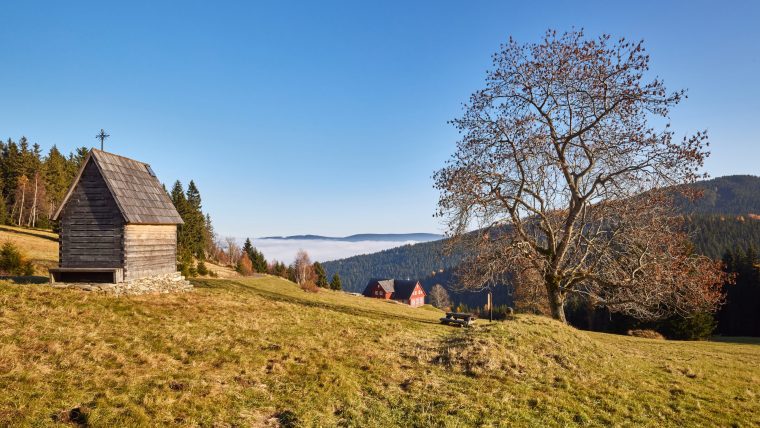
<point x="726" y="218"/>
<point x="406" y="262"/>
<point x="729" y="195"/>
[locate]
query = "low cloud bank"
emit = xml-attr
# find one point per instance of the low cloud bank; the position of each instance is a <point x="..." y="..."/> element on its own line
<point x="319" y="250"/>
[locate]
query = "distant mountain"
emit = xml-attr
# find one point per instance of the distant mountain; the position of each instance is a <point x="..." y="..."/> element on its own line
<point x="727" y="217"/>
<point x="392" y="237"/>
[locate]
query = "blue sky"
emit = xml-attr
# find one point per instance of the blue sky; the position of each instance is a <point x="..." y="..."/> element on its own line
<point x="330" y="117"/>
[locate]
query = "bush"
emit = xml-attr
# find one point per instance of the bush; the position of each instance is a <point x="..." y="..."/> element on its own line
<point x="27" y="269"/>
<point x="184" y="269"/>
<point x="646" y="333"/>
<point x="201" y="268"/>
<point x="14" y="262"/>
<point x="310" y="286"/>
<point x="244" y="266"/>
<point x="213" y="274"/>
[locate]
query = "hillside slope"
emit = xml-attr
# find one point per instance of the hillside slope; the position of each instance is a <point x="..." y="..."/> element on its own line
<point x="39" y="245"/>
<point x="727" y="217"/>
<point x="262" y="352"/>
<point x="729" y="195"/>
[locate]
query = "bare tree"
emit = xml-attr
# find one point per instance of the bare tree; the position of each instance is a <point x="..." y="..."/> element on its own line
<point x="233" y="250"/>
<point x="39" y="199"/>
<point x="563" y="171"/>
<point x="303" y="270"/>
<point x="21" y="196"/>
<point x="439" y="297"/>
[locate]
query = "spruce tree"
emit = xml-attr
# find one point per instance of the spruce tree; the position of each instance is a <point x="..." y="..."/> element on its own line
<point x="12" y="170"/>
<point x="321" y="276"/>
<point x="76" y="159"/>
<point x="335" y="283"/>
<point x="57" y="179"/>
<point x="248" y="249"/>
<point x="209" y="237"/>
<point x="279" y="269"/>
<point x="195" y="222"/>
<point x="259" y="261"/>
<point x="180" y="204"/>
<point x="3" y="211"/>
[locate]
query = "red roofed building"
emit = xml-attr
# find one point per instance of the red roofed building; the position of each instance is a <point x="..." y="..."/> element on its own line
<point x="407" y="292"/>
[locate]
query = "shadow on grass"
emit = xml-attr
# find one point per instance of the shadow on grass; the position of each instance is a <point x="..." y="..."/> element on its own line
<point x="744" y="340"/>
<point x="25" y="279"/>
<point x="337" y="307"/>
<point x="30" y="232"/>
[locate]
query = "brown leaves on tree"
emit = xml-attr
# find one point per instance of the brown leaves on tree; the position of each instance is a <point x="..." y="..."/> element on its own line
<point x="563" y="168"/>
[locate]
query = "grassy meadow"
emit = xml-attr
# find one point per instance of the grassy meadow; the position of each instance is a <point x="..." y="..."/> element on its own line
<point x="261" y="352"/>
<point x="40" y="246"/>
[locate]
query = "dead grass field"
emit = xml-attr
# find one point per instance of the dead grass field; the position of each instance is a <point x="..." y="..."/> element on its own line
<point x="39" y="245"/>
<point x="261" y="352"/>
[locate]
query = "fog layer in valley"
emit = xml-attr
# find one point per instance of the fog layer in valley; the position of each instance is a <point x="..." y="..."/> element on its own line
<point x="320" y="250"/>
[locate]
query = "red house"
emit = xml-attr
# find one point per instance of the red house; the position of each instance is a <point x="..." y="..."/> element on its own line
<point x="407" y="292"/>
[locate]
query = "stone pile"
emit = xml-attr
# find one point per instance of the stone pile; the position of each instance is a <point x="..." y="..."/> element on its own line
<point x="167" y="283"/>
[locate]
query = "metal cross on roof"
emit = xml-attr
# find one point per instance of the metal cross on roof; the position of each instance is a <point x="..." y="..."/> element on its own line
<point x="102" y="136"/>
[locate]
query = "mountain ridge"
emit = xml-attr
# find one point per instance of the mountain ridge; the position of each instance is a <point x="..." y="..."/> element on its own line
<point x="400" y="237"/>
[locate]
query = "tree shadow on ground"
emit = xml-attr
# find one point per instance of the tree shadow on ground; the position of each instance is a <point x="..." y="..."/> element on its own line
<point x="31" y="232"/>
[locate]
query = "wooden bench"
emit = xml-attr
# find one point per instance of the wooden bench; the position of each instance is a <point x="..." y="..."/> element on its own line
<point x="458" y="319"/>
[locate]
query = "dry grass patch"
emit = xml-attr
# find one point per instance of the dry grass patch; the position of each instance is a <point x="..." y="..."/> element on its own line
<point x="39" y="245"/>
<point x="258" y="352"/>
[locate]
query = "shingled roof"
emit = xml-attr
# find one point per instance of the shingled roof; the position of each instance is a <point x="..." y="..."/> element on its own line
<point x="400" y="289"/>
<point x="403" y="289"/>
<point x="139" y="195"/>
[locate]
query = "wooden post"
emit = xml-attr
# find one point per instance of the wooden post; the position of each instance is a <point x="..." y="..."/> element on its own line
<point x="490" y="305"/>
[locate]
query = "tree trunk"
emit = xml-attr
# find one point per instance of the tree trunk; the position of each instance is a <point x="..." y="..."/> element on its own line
<point x="556" y="301"/>
<point x="21" y="213"/>
<point x="590" y="313"/>
<point x="33" y="218"/>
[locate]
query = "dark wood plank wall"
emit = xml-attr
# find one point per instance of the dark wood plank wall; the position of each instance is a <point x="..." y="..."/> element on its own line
<point x="91" y="225"/>
<point x="149" y="250"/>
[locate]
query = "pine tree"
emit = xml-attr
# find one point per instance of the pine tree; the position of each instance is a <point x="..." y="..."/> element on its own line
<point x="178" y="196"/>
<point x="248" y="249"/>
<point x="12" y="170"/>
<point x="210" y="237"/>
<point x="195" y="222"/>
<point x="319" y="271"/>
<point x="3" y="211"/>
<point x="78" y="157"/>
<point x="259" y="261"/>
<point x="184" y="253"/>
<point x="57" y="178"/>
<point x="335" y="283"/>
<point x="279" y="269"/>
